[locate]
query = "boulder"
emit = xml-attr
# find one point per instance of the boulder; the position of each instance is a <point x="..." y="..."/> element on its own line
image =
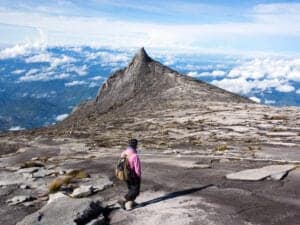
<point x="102" y="183"/>
<point x="67" y="211"/>
<point x="54" y="197"/>
<point x="99" y="183"/>
<point x="28" y="170"/>
<point x="83" y="191"/>
<point x="42" y="173"/>
<point x="277" y="171"/>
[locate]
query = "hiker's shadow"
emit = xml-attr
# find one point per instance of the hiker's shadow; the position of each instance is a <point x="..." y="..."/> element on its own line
<point x="172" y="195"/>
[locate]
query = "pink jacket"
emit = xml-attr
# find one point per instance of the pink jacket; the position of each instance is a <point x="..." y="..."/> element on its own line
<point x="133" y="159"/>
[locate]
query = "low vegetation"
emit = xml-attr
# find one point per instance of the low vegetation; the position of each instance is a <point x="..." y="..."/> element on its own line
<point x="29" y="164"/>
<point x="58" y="182"/>
<point x="275" y="117"/>
<point x="78" y="174"/>
<point x="221" y="148"/>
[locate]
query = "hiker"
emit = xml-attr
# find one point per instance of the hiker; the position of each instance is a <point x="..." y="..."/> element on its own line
<point x="134" y="178"/>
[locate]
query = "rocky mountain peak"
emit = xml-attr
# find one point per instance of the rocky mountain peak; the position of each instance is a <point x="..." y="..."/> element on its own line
<point x="141" y="56"/>
<point x="147" y="82"/>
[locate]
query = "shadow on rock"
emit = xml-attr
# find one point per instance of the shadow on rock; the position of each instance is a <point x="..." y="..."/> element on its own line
<point x="173" y="195"/>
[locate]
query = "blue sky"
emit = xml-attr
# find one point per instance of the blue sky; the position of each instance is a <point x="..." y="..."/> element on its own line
<point x="214" y="26"/>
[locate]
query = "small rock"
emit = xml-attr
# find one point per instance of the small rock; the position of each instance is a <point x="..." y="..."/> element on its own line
<point x="224" y="160"/>
<point x="101" y="184"/>
<point x="19" y="199"/>
<point x="28" y="204"/>
<point x="42" y="173"/>
<point x="61" y="172"/>
<point x="28" y="170"/>
<point x="168" y="151"/>
<point x="25" y="186"/>
<point x="83" y="191"/>
<point x="198" y="166"/>
<point x="45" y="198"/>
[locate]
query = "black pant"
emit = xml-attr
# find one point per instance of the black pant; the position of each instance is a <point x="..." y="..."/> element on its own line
<point x="133" y="185"/>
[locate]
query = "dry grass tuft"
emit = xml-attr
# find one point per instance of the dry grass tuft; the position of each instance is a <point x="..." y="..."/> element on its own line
<point x="29" y="164"/>
<point x="250" y="148"/>
<point x="56" y="184"/>
<point x="78" y="174"/>
<point x="276" y="117"/>
<point x="221" y="148"/>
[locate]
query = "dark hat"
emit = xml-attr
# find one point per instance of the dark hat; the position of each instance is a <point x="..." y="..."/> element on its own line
<point x="133" y="143"/>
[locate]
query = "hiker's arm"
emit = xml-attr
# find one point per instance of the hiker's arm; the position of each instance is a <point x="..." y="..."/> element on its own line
<point x="137" y="166"/>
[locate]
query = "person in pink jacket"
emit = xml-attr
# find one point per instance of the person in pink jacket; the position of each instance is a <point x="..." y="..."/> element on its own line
<point x="134" y="181"/>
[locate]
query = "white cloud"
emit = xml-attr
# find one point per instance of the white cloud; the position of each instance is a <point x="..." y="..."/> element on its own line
<point x="32" y="71"/>
<point x="269" y="102"/>
<point x="217" y="73"/>
<point x="94" y="84"/>
<point x="42" y="95"/>
<point x="298" y="92"/>
<point x="98" y="78"/>
<point x="262" y="74"/>
<point x="44" y="75"/>
<point x="214" y="73"/>
<point x="109" y="59"/>
<point x="169" y="60"/>
<point x="61" y="117"/>
<point x="193" y="74"/>
<point x="285" y="88"/>
<point x="237" y="85"/>
<point x="24" y="49"/>
<point x="54" y="61"/>
<point x="16" y="128"/>
<point x="255" y="99"/>
<point x="17" y="72"/>
<point x="61" y="60"/>
<point x="75" y="83"/>
<point x="43" y="57"/>
<point x="80" y="70"/>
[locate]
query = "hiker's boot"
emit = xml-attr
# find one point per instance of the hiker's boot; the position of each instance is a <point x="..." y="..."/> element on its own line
<point x="129" y="205"/>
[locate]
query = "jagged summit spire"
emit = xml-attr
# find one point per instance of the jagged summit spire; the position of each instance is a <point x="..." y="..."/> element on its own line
<point x="142" y="56"/>
<point x="146" y="81"/>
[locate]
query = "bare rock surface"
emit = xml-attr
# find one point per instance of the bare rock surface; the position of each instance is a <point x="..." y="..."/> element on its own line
<point x="274" y="171"/>
<point x="183" y="210"/>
